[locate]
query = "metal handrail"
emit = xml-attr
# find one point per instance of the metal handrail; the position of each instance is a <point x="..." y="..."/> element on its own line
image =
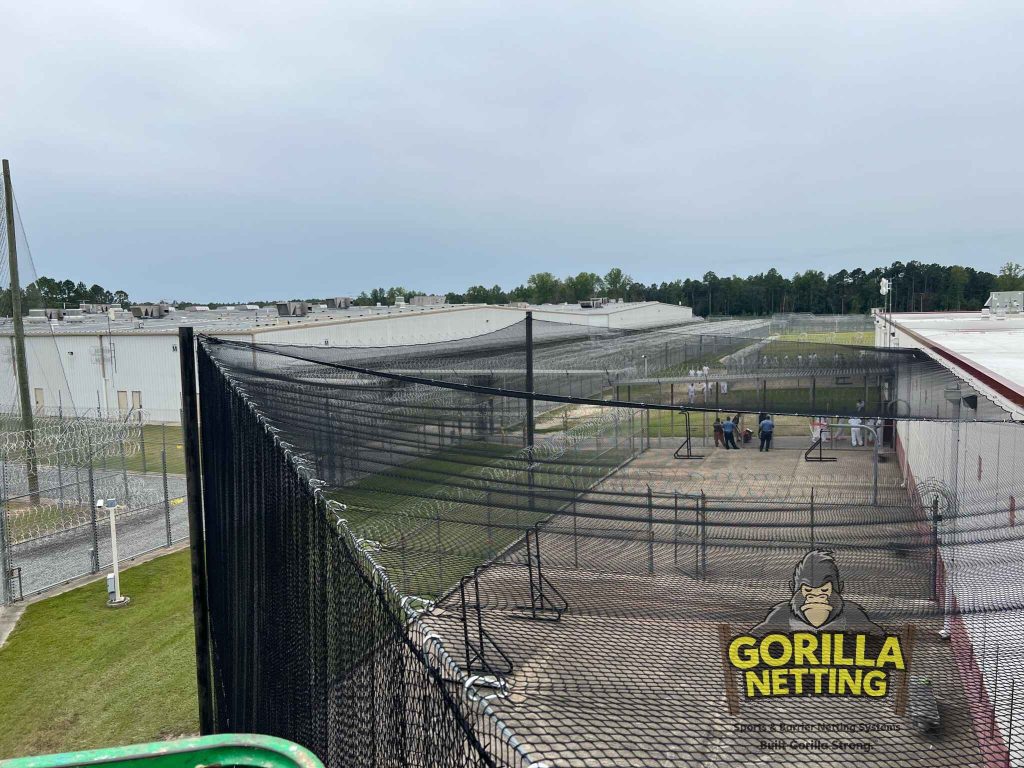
<point x="687" y="443"/>
<point x="874" y="444"/>
<point x="241" y="749"/>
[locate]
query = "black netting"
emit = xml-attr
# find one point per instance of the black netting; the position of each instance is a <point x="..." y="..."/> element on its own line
<point x="399" y="578"/>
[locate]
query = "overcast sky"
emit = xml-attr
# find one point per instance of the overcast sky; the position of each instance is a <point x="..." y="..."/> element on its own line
<point x="230" y="150"/>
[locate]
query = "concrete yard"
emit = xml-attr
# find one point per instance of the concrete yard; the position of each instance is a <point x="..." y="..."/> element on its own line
<point x="648" y="597"/>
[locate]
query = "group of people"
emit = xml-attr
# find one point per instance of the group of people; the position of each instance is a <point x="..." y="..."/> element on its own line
<point x="725" y="431"/>
<point x="705" y="387"/>
<point x="838" y="360"/>
<point x="857" y="422"/>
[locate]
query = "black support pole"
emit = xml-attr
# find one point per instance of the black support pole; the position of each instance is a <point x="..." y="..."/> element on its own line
<point x="529" y="406"/>
<point x="196" y="533"/>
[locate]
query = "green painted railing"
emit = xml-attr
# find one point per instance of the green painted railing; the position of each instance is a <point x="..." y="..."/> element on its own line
<point x="240" y="749"/>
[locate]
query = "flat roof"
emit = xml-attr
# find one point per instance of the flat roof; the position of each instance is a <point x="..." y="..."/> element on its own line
<point x="988" y="348"/>
<point x="243" y="321"/>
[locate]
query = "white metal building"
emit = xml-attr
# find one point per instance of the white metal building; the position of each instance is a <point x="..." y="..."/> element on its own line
<point x="979" y="467"/>
<point x="93" y="362"/>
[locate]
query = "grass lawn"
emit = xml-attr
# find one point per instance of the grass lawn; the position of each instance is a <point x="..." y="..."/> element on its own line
<point x="75" y="674"/>
<point x="439" y="517"/>
<point x="857" y="338"/>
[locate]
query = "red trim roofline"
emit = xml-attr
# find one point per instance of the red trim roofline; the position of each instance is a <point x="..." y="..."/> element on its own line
<point x="1012" y="392"/>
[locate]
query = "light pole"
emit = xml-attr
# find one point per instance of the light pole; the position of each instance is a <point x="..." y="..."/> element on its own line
<point x="883" y="288"/>
<point x="114" y="597"/>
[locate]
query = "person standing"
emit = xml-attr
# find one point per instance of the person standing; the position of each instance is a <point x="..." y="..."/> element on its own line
<point x="855" y="436"/>
<point x="767" y="428"/>
<point x="719" y="432"/>
<point x="729" y="434"/>
<point x="691" y="392"/>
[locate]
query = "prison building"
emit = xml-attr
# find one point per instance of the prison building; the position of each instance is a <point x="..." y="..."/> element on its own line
<point x="84" y="363"/>
<point x="974" y="469"/>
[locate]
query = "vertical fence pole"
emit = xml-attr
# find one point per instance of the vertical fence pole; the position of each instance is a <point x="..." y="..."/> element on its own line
<point x="92" y="512"/>
<point x="672" y="413"/>
<point x="405" y="566"/>
<point x="1009" y="730"/>
<point x="124" y="475"/>
<point x="6" y="598"/>
<point x="167" y="498"/>
<point x="935" y="548"/>
<point x="142" y="442"/>
<point x="703" y="536"/>
<point x="60" y="471"/>
<point x="675" y="528"/>
<point x="696" y="539"/>
<point x="632" y="422"/>
<point x="490" y="531"/>
<point x="995" y="696"/>
<point x="529" y="408"/>
<point x="650" y="531"/>
<point x="197" y="538"/>
<point x="438" y="546"/>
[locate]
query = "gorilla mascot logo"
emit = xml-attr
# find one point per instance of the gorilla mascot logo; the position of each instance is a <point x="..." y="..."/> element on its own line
<point x="817" y="604"/>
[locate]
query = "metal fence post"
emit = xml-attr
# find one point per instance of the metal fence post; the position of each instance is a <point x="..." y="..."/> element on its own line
<point x="650" y="530"/>
<point x="197" y="536"/>
<point x="124" y="474"/>
<point x="703" y="536"/>
<point x="167" y="499"/>
<point x="490" y="531"/>
<point x="675" y="528"/>
<point x="60" y="480"/>
<point x="935" y="548"/>
<point x="575" y="534"/>
<point x="5" y="552"/>
<point x="672" y="413"/>
<point x="142" y="442"/>
<point x="92" y="513"/>
<point x="403" y="559"/>
<point x="440" y="563"/>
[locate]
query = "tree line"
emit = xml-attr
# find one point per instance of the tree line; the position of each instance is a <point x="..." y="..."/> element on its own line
<point x="917" y="287"/>
<point x="48" y="293"/>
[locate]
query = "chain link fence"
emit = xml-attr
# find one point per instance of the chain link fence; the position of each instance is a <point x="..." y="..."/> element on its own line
<point x="51" y="530"/>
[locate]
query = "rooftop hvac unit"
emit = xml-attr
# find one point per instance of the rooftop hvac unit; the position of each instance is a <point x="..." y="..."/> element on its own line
<point x="292" y="309"/>
<point x="1005" y="302"/>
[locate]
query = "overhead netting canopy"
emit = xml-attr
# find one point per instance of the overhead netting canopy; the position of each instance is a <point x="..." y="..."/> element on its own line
<point x="410" y="565"/>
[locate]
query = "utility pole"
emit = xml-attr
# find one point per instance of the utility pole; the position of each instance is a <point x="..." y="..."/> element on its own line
<point x="31" y="465"/>
<point x="529" y="408"/>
